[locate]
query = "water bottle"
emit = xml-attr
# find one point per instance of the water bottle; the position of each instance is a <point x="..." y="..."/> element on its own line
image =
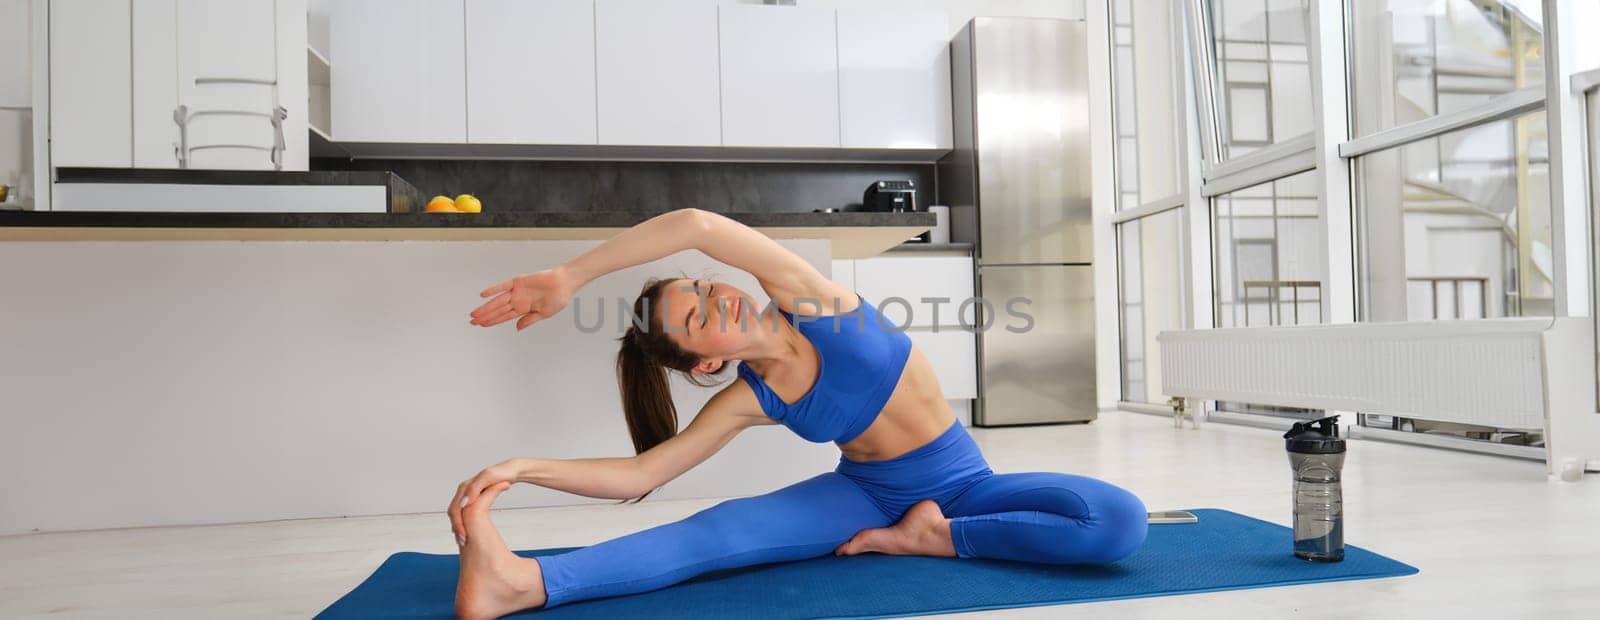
<point x="1316" y="453"/>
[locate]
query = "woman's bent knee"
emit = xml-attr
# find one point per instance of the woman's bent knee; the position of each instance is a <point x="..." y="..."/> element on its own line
<point x="1122" y="523"/>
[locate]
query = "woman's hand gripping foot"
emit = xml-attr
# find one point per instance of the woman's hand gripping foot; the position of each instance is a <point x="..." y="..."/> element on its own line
<point x="494" y="581"/>
<point x="922" y="531"/>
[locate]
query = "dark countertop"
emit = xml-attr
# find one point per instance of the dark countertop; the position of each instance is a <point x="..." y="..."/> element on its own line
<point x="487" y="219"/>
<point x="401" y="196"/>
<point x="934" y="247"/>
<point x="854" y="234"/>
<point x="223" y="177"/>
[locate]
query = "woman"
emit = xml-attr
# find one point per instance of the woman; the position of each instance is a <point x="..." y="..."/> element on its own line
<point x="910" y="479"/>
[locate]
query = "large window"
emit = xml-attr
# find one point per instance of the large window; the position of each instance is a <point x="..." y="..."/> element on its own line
<point x="1415" y="59"/>
<point x="1150" y="137"/>
<point x="1268" y="254"/>
<point x="1151" y="284"/>
<point x="1452" y="163"/>
<point x="1359" y="160"/>
<point x="1149" y="112"/>
<point x="1588" y="83"/>
<point x="1258" y="101"/>
<point x="1458" y="226"/>
<point x="1262" y="73"/>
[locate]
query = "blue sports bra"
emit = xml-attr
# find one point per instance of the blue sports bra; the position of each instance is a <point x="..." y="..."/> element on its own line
<point x="861" y="356"/>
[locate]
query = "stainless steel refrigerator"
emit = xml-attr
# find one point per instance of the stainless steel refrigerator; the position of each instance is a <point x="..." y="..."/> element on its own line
<point x="1018" y="186"/>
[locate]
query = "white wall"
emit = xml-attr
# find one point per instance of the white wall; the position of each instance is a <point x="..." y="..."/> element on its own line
<point x="1585" y="50"/>
<point x="153" y="383"/>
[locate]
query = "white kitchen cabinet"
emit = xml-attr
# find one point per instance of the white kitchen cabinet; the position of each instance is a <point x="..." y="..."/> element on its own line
<point x="228" y="82"/>
<point x="530" y="72"/>
<point x="844" y="272"/>
<point x="780" y="76"/>
<point x="16" y="37"/>
<point x="950" y="347"/>
<point x="294" y="81"/>
<point x="18" y="123"/>
<point x="91" y="90"/>
<point x="953" y="354"/>
<point x="155" y="83"/>
<point x="912" y="277"/>
<point x="398" y="71"/>
<point x="121" y="70"/>
<point x="657" y="76"/>
<point x="894" y="79"/>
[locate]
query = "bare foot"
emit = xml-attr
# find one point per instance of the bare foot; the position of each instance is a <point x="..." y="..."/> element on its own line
<point x="494" y="581"/>
<point x="922" y="531"/>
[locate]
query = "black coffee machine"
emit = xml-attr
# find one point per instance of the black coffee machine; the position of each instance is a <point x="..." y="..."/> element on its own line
<point x="894" y="196"/>
<point x="890" y="196"/>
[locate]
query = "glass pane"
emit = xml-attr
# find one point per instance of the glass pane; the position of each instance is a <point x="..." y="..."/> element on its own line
<point x="1149" y="134"/>
<point x="1151" y="282"/>
<point x="1458" y="226"/>
<point x="16" y="101"/>
<point x="1263" y="89"/>
<point x="1130" y="283"/>
<point x="1418" y="58"/>
<point x="1268" y="254"/>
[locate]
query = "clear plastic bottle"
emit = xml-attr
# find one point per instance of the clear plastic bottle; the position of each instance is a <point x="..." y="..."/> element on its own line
<point x="1316" y="453"/>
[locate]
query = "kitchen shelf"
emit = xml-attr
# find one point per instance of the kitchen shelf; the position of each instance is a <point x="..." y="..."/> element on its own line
<point x="319" y="106"/>
<point x="318" y="69"/>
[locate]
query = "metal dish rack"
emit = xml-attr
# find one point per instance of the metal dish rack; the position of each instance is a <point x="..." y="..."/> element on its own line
<point x="183" y="115"/>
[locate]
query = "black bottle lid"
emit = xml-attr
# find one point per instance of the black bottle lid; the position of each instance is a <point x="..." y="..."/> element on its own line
<point x="1315" y="437"/>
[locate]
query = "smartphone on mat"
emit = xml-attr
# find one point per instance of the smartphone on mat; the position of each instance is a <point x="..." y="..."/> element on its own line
<point x="1172" y="516"/>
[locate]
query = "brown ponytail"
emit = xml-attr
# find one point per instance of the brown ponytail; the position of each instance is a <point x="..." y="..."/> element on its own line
<point x="646" y="397"/>
<point x="642" y="363"/>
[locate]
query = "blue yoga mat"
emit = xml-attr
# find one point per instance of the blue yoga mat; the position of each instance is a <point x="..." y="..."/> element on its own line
<point x="1224" y="551"/>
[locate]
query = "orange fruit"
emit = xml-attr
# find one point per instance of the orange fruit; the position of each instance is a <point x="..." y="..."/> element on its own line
<point x="467" y="203"/>
<point x="441" y="204"/>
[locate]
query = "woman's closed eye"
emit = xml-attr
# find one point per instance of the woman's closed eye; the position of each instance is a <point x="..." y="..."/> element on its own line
<point x="704" y="318"/>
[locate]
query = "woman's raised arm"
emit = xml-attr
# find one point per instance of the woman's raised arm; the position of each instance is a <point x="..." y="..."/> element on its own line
<point x="783" y="274"/>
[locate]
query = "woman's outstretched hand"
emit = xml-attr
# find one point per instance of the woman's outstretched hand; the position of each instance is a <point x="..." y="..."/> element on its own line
<point x="533" y="296"/>
<point x="470" y="490"/>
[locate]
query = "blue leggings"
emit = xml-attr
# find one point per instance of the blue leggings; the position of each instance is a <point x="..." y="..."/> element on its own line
<point x="1031" y="517"/>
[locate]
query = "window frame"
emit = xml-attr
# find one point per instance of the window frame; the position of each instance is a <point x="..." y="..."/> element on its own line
<point x="1123" y="214"/>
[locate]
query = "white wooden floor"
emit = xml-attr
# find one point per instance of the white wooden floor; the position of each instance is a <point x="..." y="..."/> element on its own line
<point x="1492" y="537"/>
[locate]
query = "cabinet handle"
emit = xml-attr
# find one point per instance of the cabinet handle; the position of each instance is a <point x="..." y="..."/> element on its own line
<point x="227" y="80"/>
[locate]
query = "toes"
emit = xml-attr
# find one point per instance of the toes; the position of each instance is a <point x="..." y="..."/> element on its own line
<point x="848" y="548"/>
<point x="854" y="546"/>
<point x="479" y="508"/>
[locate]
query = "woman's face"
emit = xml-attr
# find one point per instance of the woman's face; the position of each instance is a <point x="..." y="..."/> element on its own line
<point x="707" y="318"/>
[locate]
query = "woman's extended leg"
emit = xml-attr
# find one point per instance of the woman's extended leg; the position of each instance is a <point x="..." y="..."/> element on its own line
<point x="1046" y="517"/>
<point x="807" y="519"/>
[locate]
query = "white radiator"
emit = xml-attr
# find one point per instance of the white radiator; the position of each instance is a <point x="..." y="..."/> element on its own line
<point x="1509" y="373"/>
